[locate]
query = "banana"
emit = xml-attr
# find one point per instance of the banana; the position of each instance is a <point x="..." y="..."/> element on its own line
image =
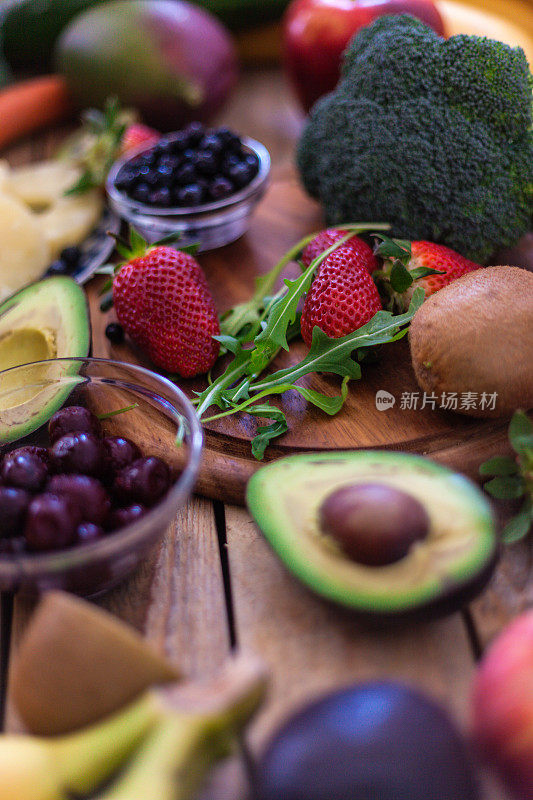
<point x="176" y="733"/>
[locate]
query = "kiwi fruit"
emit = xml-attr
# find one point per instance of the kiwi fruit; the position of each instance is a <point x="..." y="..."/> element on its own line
<point x="476" y="335"/>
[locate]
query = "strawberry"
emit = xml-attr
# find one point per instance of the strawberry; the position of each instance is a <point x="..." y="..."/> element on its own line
<point x="136" y="135"/>
<point x="411" y="264"/>
<point x="342" y="297"/>
<point x="163" y="302"/>
<point x="326" y="238"/>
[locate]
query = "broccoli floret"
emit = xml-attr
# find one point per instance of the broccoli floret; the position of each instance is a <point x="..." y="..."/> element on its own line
<point x="434" y="136"/>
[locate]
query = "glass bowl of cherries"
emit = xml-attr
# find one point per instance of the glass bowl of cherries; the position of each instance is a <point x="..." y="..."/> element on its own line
<point x="198" y="184"/>
<point x="96" y="458"/>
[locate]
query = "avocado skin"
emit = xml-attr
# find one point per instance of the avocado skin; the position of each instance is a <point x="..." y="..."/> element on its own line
<point x="269" y="484"/>
<point x="375" y="741"/>
<point x="73" y="338"/>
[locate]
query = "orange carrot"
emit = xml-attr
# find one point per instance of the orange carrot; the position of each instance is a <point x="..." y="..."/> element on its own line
<point x="32" y="104"/>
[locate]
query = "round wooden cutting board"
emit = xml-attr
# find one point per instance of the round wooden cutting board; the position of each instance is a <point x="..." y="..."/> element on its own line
<point x="282" y="218"/>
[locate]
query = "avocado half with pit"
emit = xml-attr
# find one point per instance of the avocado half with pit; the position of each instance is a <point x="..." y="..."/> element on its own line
<point x="47" y="320"/>
<point x="385" y="534"/>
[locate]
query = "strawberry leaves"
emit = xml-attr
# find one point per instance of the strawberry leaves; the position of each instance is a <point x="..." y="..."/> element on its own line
<point x="512" y="478"/>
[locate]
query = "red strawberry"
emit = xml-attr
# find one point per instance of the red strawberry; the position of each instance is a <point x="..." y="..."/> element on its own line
<point x="136" y="135"/>
<point x="421" y="256"/>
<point x="163" y="302"/>
<point x="326" y="238"/>
<point x="342" y="297"/>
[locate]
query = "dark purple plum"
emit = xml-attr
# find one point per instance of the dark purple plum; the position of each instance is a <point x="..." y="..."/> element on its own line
<point x="87" y="493"/>
<point x="79" y="452"/>
<point x="88" y="532"/>
<point x="377" y="740"/>
<point x="51" y="522"/>
<point x="374" y="523"/>
<point x="119" y="453"/>
<point x="145" y="481"/>
<point x="13" y="507"/>
<point x="24" y="470"/>
<point x="124" y="516"/>
<point x="72" y="419"/>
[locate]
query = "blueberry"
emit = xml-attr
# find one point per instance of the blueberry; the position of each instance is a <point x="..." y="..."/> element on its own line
<point x="71" y="256"/>
<point x="163" y="147"/>
<point x="152" y="178"/>
<point x="164" y="174"/>
<point x="51" y="522"/>
<point x="185" y="174"/>
<point x="170" y="161"/>
<point x="13" y="507"/>
<point x="213" y="143"/>
<point x="219" y="188"/>
<point x="24" y="470"/>
<point x="125" y="516"/>
<point x="191" y="195"/>
<point x="225" y="135"/>
<point x="141" y="193"/>
<point x="160" y="197"/>
<point x="88" y="532"/>
<point x="241" y="174"/>
<point x="72" y="419"/>
<point x="252" y="161"/>
<point x="119" y="453"/>
<point x="180" y="141"/>
<point x="58" y="267"/>
<point x="87" y="493"/>
<point x="79" y="452"/>
<point x="145" y="480"/>
<point x="125" y="180"/>
<point x="206" y="162"/>
<point x="195" y="132"/>
<point x="229" y="161"/>
<point x="115" y="333"/>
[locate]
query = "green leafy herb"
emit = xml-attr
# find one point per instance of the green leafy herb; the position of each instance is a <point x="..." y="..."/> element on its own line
<point x="513" y="478"/>
<point x="118" y="411"/>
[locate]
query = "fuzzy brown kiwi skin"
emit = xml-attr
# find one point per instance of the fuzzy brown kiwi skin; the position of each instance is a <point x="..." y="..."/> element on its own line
<point x="476" y="335"/>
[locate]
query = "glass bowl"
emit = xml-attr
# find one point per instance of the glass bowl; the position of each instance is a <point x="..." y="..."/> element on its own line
<point x="210" y="225"/>
<point x="161" y="414"/>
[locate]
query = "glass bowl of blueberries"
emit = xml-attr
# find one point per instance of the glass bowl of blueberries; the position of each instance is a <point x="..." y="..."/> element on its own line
<point x="199" y="184"/>
<point x="97" y="457"/>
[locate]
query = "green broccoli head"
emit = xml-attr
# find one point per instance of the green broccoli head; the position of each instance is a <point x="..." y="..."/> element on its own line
<point x="434" y="136"/>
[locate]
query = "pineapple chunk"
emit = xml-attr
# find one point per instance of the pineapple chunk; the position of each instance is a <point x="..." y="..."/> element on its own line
<point x="70" y="220"/>
<point x="24" y="251"/>
<point x="39" y="185"/>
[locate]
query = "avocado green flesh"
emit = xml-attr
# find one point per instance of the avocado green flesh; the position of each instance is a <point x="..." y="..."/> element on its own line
<point x="284" y="498"/>
<point x="44" y="321"/>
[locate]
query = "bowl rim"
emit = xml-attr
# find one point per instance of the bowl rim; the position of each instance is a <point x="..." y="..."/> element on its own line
<point x="79" y="555"/>
<point x="121" y="203"/>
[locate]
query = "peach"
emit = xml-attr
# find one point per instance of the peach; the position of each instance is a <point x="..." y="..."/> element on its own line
<point x="502" y="705"/>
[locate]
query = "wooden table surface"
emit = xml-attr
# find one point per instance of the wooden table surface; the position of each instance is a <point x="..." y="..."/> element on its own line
<point x="214" y="585"/>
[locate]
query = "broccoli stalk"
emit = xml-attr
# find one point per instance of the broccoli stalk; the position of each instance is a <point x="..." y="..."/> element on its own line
<point x="435" y="136"/>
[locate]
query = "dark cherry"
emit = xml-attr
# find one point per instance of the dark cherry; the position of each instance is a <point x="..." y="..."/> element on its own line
<point x="13" y="507"/>
<point x="51" y="522"/>
<point x="79" y="452"/>
<point x="87" y="493"/>
<point x="72" y="419"/>
<point x="15" y="545"/>
<point x="145" y="480"/>
<point x="24" y="470"/>
<point x="40" y="452"/>
<point x="373" y="523"/>
<point x="119" y="452"/>
<point x="89" y="532"/>
<point x="115" y="333"/>
<point x="125" y="516"/>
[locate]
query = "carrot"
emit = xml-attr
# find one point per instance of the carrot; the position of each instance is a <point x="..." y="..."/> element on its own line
<point x="32" y="104"/>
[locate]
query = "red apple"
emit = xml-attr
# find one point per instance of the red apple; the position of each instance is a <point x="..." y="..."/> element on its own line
<point x="502" y="705"/>
<point x="316" y="33"/>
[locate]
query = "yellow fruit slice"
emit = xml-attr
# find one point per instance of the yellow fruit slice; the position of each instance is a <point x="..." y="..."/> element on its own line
<point x="70" y="220"/>
<point x="24" y="250"/>
<point x="39" y="185"/>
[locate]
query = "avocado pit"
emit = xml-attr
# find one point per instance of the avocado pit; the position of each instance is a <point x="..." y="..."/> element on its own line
<point x="374" y="523"/>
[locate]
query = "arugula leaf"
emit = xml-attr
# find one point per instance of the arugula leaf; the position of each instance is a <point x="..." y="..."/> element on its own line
<point x="265" y="434"/>
<point x="500" y="465"/>
<point x="519" y="525"/>
<point x="509" y="487"/>
<point x="335" y="355"/>
<point x="520" y="432"/>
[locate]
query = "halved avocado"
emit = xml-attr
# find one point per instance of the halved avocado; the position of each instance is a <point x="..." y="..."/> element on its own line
<point x="49" y="319"/>
<point x="437" y="574"/>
